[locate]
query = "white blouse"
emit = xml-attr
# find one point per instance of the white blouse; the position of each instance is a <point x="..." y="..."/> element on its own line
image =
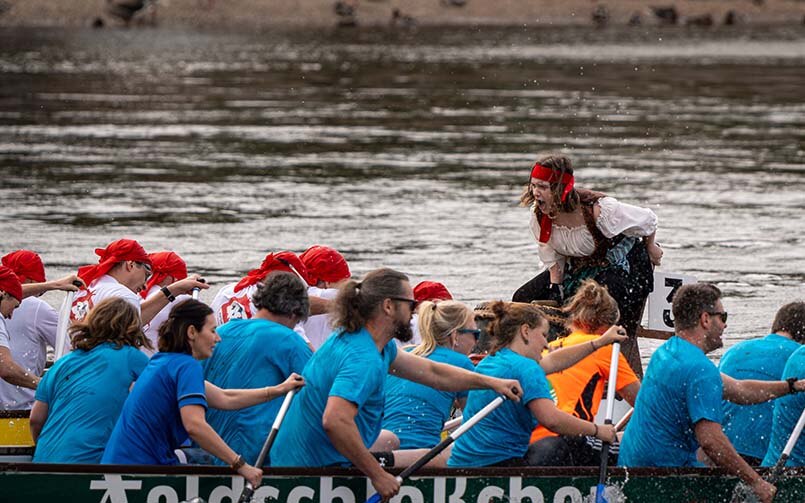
<point x="615" y="218"/>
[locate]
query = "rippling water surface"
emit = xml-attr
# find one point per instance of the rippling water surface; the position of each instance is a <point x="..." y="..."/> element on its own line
<point x="406" y="150"/>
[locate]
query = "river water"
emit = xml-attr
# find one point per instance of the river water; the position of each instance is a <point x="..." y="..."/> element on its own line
<point x="406" y="150"/>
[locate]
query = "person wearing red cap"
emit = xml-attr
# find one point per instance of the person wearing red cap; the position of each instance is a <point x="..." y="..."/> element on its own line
<point x="167" y="267"/>
<point x="234" y="301"/>
<point x="123" y="270"/>
<point x="327" y="270"/>
<point x="584" y="234"/>
<point x="32" y="329"/>
<point x="10" y="298"/>
<point x="425" y="290"/>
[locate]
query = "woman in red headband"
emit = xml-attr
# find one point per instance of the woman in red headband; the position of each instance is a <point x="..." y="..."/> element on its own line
<point x="584" y="234"/>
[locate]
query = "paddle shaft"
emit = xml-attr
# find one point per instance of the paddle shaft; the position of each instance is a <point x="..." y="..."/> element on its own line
<point x="248" y="489"/>
<point x="419" y="463"/>
<point x="449" y="425"/>
<point x="789" y="446"/>
<point x="613" y="376"/>
<point x="63" y="323"/>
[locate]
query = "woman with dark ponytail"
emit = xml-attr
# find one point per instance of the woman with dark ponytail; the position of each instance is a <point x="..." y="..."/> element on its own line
<point x="168" y="403"/>
<point x="518" y="340"/>
<point x="579" y="389"/>
<point x="584" y="234"/>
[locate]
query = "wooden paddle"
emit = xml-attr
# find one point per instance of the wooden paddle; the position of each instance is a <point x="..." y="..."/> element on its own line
<point x="613" y="376"/>
<point x="248" y="489"/>
<point x="419" y="463"/>
<point x="743" y="493"/>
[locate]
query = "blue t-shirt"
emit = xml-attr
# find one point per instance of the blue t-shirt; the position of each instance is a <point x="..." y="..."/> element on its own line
<point x="681" y="387"/>
<point x="348" y="365"/>
<point x="85" y="392"/>
<point x="253" y="353"/>
<point x="787" y="410"/>
<point x="150" y="425"/>
<point x="505" y="432"/>
<point x="415" y="412"/>
<point x="749" y="426"/>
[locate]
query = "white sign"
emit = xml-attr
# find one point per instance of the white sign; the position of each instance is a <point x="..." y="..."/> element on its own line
<point x="659" y="301"/>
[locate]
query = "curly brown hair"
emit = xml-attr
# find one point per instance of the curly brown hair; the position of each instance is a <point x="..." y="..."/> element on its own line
<point x="561" y="164"/>
<point x="112" y="320"/>
<point x="592" y="307"/>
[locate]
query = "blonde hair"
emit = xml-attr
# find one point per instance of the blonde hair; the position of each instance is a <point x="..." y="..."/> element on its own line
<point x="437" y="320"/>
<point x="592" y="307"/>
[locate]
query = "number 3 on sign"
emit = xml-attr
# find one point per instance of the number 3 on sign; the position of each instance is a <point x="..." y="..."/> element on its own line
<point x="659" y="301"/>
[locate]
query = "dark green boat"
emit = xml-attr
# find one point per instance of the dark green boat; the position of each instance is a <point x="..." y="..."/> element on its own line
<point x="29" y="483"/>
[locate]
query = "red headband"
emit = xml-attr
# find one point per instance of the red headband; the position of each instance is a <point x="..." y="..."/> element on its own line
<point x="164" y="264"/>
<point x="431" y="290"/>
<point x="549" y="175"/>
<point x="282" y="261"/>
<point x="26" y="265"/>
<point x="117" y="251"/>
<point x="9" y="283"/>
<point x="324" y="263"/>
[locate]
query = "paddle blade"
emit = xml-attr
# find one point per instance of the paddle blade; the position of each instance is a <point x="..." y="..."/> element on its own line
<point x="374" y="499"/>
<point x="600" y="496"/>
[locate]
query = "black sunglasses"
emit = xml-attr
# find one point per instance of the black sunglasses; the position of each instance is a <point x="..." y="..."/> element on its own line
<point x="474" y="331"/>
<point x="722" y="314"/>
<point x="412" y="302"/>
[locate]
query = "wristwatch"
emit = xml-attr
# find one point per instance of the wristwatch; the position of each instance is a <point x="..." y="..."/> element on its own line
<point x="791" y="381"/>
<point x="167" y="293"/>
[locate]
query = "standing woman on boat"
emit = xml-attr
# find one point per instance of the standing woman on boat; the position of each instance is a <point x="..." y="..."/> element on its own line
<point x="414" y="413"/>
<point x="584" y="234"/>
<point x="501" y="438"/>
<point x="80" y="397"/>
<point x="579" y="388"/>
<point x="167" y="405"/>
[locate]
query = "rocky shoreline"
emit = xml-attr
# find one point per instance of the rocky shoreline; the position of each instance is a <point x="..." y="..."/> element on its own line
<point x="263" y="14"/>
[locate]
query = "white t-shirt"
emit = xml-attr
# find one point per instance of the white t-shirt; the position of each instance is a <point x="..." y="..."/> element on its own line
<point x="318" y="328"/>
<point x="227" y="305"/>
<point x="5" y="340"/>
<point x="230" y="306"/>
<point x="31" y="329"/>
<point x="100" y="289"/>
<point x="151" y="329"/>
<point x="615" y="218"/>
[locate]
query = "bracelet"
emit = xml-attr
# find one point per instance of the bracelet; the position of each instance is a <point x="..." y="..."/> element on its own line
<point x="167" y="293"/>
<point x="791" y="389"/>
<point x="596" y="430"/>
<point x="238" y="463"/>
<point x="268" y="393"/>
<point x="593" y="346"/>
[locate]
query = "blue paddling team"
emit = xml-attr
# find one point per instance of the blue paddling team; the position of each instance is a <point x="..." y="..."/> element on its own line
<point x="161" y="378"/>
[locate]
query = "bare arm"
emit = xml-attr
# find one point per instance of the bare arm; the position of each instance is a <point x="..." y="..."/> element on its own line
<point x="151" y="306"/>
<point x="39" y="414"/>
<point x="563" y="423"/>
<point x="557" y="273"/>
<point x="233" y="399"/>
<point x="629" y="392"/>
<point x="566" y="357"/>
<point x="319" y="305"/>
<point x="65" y="283"/>
<point x="749" y="391"/>
<point x="449" y="378"/>
<point x="202" y="433"/>
<point x="13" y="373"/>
<point x="718" y="448"/>
<point x="338" y="422"/>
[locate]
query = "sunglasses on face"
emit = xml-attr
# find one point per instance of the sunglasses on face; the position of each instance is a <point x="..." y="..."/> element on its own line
<point x="411" y="302"/>
<point x="474" y="331"/>
<point x="146" y="267"/>
<point x="722" y="314"/>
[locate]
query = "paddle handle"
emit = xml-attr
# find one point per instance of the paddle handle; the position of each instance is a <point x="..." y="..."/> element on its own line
<point x="419" y="463"/>
<point x="613" y="376"/>
<point x="248" y="490"/>
<point x="449" y="425"/>
<point x="625" y="419"/>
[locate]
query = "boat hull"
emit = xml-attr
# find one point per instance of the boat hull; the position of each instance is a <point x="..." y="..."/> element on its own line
<point x="26" y="482"/>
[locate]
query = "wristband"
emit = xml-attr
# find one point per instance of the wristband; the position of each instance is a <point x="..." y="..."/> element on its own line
<point x="167" y="293"/>
<point x="238" y="463"/>
<point x="791" y="389"/>
<point x="596" y="430"/>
